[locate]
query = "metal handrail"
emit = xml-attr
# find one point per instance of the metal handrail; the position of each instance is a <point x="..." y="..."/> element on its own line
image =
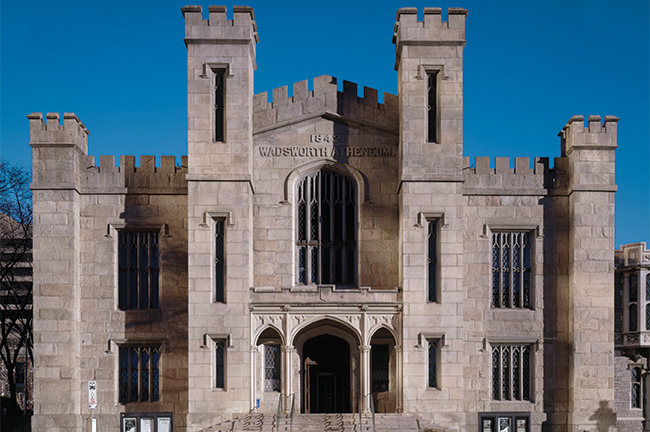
<point x="293" y="403"/>
<point x="372" y="410"/>
<point x="277" y="415"/>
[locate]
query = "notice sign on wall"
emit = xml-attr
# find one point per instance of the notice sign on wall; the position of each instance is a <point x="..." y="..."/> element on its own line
<point x="92" y="395"/>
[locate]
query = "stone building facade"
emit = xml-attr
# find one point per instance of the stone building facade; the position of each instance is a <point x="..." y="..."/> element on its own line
<point x="324" y="251"/>
<point x="632" y="337"/>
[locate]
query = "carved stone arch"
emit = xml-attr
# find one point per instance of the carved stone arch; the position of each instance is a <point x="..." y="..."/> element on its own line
<point x="266" y="326"/>
<point x="363" y="191"/>
<point x="378" y="327"/>
<point x="356" y="331"/>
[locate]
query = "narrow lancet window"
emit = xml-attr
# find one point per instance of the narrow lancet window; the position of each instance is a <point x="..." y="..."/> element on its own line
<point x="432" y="106"/>
<point x="432" y="260"/>
<point x="219" y="261"/>
<point x="219" y="104"/>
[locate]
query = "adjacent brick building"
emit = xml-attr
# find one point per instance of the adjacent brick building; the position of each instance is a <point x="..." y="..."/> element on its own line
<point x="325" y="250"/>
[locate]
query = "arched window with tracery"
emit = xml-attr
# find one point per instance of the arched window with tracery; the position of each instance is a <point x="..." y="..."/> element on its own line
<point x="326" y="238"/>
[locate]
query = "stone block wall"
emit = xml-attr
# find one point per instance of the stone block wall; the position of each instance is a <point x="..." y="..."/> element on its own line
<point x="78" y="209"/>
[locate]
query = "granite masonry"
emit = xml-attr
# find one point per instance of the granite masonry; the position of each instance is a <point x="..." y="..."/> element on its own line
<point x="326" y="253"/>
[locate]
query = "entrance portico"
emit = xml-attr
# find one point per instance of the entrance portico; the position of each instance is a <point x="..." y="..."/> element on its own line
<point x="326" y="356"/>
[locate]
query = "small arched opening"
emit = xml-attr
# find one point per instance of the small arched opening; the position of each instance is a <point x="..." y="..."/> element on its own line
<point x="269" y="368"/>
<point x="383" y="366"/>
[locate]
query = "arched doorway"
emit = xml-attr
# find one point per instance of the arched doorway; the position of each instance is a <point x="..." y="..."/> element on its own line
<point x="327" y="352"/>
<point x="326" y="375"/>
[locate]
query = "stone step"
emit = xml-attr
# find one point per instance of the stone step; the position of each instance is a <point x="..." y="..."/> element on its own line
<point x="334" y="422"/>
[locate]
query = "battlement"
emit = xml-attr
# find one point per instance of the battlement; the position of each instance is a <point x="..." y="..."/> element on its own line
<point x="127" y="164"/>
<point x="218" y="26"/>
<point x="502" y="166"/>
<point x="324" y="98"/>
<point x="596" y="136"/>
<point x="125" y="177"/>
<point x="432" y="28"/>
<point x="481" y="179"/>
<point x="52" y="132"/>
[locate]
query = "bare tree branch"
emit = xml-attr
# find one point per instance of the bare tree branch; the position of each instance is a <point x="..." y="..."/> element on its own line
<point x="15" y="272"/>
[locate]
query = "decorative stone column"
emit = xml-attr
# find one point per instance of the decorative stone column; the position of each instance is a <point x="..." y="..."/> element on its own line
<point x="287" y="384"/>
<point x="399" y="394"/>
<point x="365" y="378"/>
<point x="254" y="350"/>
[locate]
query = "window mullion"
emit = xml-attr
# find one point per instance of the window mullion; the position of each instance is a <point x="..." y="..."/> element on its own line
<point x="511" y="275"/>
<point x="500" y="249"/>
<point x="308" y="249"/>
<point x="319" y="235"/>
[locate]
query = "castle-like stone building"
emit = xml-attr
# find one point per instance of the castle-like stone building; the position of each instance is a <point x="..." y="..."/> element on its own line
<point x="324" y="253"/>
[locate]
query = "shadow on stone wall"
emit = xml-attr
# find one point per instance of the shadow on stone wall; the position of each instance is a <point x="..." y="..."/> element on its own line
<point x="604" y="416"/>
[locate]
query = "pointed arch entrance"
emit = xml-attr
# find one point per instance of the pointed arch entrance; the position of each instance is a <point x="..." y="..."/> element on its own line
<point x="329" y="367"/>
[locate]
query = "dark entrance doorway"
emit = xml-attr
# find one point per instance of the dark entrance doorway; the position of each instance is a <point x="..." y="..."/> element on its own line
<point x="326" y="375"/>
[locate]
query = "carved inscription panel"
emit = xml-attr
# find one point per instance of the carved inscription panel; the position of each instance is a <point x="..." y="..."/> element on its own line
<point x="336" y="147"/>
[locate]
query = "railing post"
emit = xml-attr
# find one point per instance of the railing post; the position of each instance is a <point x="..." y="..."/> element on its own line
<point x="372" y="410"/>
<point x="293" y="400"/>
<point x="277" y="415"/>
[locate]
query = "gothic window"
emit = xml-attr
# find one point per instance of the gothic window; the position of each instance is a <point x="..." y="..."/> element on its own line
<point x="635" y="389"/>
<point x="220" y="363"/>
<point x="139" y="270"/>
<point x="432" y="106"/>
<point x="139" y="374"/>
<point x="219" y="260"/>
<point x="511" y="269"/>
<point x="380" y="360"/>
<point x="511" y="368"/>
<point x="219" y="104"/>
<point x="432" y="260"/>
<point x="618" y="302"/>
<point x="272" y="367"/>
<point x="433" y="363"/>
<point x="634" y="318"/>
<point x="326" y="229"/>
<point x="634" y="288"/>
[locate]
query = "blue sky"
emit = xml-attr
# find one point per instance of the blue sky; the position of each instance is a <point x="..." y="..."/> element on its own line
<point x="529" y="66"/>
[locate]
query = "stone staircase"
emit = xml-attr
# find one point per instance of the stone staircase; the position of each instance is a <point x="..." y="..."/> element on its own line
<point x="335" y="422"/>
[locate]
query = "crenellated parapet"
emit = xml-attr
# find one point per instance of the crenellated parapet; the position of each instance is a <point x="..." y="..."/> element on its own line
<point x="125" y="177"/>
<point x="51" y="132"/>
<point x="590" y="152"/>
<point x="325" y="101"/>
<point x="481" y="179"/>
<point x="242" y="26"/>
<point x="431" y="31"/>
<point x="61" y="161"/>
